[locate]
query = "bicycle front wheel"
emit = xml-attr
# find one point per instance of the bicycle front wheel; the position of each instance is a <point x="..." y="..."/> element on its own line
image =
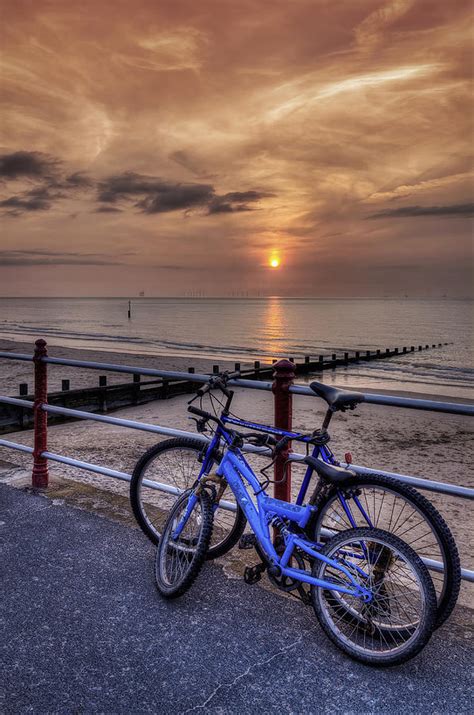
<point x="174" y="464"/>
<point x="402" y="511"/>
<point x="179" y="558"/>
<point x="398" y="620"/>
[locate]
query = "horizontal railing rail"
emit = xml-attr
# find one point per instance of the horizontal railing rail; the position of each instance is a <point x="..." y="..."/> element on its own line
<point x="421" y="483"/>
<point x="40" y="406"/>
<point x="369" y="398"/>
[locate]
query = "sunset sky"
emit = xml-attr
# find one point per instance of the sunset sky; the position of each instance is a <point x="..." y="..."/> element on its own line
<point x="181" y="146"/>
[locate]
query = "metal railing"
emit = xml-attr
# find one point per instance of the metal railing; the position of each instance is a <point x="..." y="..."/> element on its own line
<point x="41" y="409"/>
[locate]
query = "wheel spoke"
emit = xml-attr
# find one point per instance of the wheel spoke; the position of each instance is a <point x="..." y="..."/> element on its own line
<point x="392" y="509"/>
<point x="175" y="463"/>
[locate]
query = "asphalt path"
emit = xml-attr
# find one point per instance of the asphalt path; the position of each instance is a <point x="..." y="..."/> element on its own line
<point x="83" y="630"/>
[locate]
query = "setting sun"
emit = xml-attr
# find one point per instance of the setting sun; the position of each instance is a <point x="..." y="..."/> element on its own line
<point x="274" y="262"/>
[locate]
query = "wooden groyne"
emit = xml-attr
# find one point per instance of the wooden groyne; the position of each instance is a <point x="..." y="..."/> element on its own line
<point x="106" y="398"/>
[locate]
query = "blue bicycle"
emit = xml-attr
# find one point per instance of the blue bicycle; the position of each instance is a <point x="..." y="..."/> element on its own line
<point x="370" y="591"/>
<point x="341" y="499"/>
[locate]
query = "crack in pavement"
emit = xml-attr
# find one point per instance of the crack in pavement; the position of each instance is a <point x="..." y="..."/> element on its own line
<point x="247" y="672"/>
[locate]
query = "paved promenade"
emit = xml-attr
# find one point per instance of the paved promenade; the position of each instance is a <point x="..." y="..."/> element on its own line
<point x="83" y="630"/>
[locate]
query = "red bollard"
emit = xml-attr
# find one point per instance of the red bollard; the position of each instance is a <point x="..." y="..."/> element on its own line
<point x="284" y="373"/>
<point x="39" y="475"/>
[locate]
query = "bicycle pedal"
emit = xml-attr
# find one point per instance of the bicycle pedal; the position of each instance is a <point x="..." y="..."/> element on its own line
<point x="253" y="574"/>
<point x="247" y="541"/>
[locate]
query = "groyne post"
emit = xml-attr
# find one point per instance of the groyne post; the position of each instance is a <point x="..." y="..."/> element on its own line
<point x="283" y="376"/>
<point x="39" y="476"/>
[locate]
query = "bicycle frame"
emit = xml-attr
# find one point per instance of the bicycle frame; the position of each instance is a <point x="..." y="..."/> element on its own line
<point x="319" y="451"/>
<point x="235" y="470"/>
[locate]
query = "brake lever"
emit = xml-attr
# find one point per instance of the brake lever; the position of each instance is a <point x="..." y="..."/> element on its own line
<point x="201" y="425"/>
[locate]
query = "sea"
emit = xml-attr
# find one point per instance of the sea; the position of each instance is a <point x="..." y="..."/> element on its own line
<point x="247" y="329"/>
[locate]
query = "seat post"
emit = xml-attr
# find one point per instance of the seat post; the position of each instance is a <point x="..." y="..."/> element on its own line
<point x="327" y="418"/>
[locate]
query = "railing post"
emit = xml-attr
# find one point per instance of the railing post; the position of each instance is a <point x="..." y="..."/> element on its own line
<point x="39" y="476"/>
<point x="284" y="373"/>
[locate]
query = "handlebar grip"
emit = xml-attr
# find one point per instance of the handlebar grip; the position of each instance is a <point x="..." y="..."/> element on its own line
<point x="197" y="411"/>
<point x="233" y="375"/>
<point x="202" y="390"/>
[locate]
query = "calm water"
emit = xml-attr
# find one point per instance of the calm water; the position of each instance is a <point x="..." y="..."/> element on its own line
<point x="248" y="329"/>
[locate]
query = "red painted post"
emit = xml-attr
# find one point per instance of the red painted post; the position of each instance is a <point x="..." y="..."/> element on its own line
<point x="39" y="475"/>
<point x="284" y="373"/>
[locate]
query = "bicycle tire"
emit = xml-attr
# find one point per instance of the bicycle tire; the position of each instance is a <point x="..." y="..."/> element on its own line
<point x="189" y="552"/>
<point x="448" y="585"/>
<point x="227" y="530"/>
<point x="358" y="640"/>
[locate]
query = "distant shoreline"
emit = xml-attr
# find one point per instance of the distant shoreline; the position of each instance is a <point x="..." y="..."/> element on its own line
<point x="237" y="297"/>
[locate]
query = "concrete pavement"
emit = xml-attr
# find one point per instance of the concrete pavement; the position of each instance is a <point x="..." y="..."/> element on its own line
<point x="83" y="630"/>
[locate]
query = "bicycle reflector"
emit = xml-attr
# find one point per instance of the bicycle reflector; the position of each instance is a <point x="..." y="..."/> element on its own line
<point x="348" y="457"/>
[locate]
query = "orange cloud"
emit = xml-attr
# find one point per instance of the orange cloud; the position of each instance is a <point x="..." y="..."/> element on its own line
<point x="268" y="124"/>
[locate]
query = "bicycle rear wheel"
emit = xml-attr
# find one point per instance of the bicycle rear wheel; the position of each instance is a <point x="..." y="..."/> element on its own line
<point x="175" y="464"/>
<point x="398" y="620"/>
<point x="402" y="511"/>
<point x="180" y="558"/>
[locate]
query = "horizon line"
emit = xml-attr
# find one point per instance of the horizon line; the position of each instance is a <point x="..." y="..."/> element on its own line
<point x="235" y="297"/>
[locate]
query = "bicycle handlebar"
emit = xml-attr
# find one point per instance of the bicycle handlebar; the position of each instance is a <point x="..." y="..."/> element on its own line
<point x="219" y="381"/>
<point x="203" y="413"/>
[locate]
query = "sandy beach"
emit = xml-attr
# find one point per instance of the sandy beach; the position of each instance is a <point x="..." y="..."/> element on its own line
<point x="12" y="372"/>
<point x="423" y="444"/>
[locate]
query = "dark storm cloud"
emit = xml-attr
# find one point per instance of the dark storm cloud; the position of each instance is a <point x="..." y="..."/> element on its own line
<point x="19" y="205"/>
<point x="53" y="258"/>
<point x="27" y="164"/>
<point x="236" y="201"/>
<point x="159" y="196"/>
<point x="46" y="173"/>
<point x="41" y="198"/>
<point x="149" y="194"/>
<point x="78" y="180"/>
<point x="16" y="205"/>
<point x="453" y="211"/>
<point x="121" y="186"/>
<point x="177" y="197"/>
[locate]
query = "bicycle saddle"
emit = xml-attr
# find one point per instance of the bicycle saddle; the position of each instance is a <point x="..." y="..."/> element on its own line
<point x="329" y="472"/>
<point x="337" y="399"/>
